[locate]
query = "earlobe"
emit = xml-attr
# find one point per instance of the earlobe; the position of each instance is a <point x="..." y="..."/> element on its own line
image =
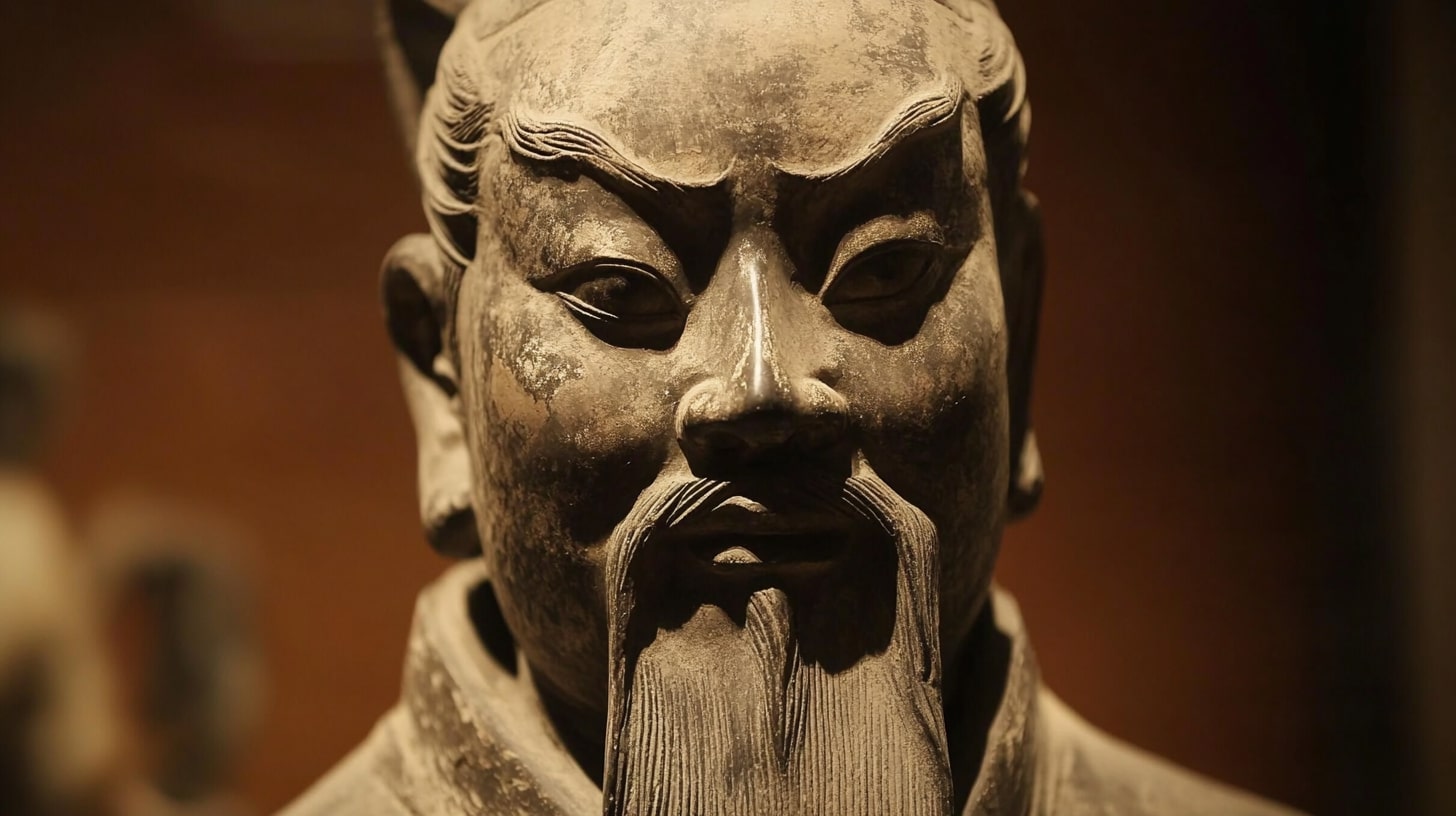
<point x="414" y="293"/>
<point x="1027" y="478"/>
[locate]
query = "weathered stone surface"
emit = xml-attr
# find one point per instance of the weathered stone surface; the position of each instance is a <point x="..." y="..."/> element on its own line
<point x="719" y="353"/>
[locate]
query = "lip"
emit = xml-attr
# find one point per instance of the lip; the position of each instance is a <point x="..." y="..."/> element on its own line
<point x="742" y="535"/>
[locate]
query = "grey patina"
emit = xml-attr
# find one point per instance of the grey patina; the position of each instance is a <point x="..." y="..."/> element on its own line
<point x="719" y="351"/>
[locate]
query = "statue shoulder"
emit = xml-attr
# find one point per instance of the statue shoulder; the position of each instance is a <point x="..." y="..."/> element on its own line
<point x="1088" y="773"/>
<point x="364" y="783"/>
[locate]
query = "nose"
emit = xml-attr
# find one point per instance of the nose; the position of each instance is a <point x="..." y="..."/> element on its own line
<point x="765" y="402"/>
<point x="723" y="429"/>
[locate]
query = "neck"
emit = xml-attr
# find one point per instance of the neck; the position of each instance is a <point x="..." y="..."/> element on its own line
<point x="976" y="680"/>
<point x="582" y="731"/>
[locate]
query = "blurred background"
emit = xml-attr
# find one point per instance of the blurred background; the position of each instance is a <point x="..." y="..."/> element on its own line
<point x="1245" y="397"/>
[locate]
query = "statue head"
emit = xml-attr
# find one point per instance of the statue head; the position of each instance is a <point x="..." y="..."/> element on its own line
<point x="719" y="355"/>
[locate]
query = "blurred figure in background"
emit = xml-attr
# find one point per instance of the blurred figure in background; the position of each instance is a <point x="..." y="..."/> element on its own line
<point x="65" y="748"/>
<point x="196" y="680"/>
<point x="59" y="735"/>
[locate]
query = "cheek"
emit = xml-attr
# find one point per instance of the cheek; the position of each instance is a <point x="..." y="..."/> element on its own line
<point x="564" y="435"/>
<point x="935" y="418"/>
<point x="552" y="408"/>
<point x="941" y="394"/>
<point x="565" y="432"/>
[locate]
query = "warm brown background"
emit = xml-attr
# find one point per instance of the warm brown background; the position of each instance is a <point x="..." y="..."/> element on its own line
<point x="207" y="196"/>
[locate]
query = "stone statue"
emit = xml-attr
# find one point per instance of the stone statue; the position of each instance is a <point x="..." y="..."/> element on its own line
<point x="719" y="353"/>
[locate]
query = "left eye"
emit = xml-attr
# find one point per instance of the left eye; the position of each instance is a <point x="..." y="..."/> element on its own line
<point x="623" y="303"/>
<point x="883" y="272"/>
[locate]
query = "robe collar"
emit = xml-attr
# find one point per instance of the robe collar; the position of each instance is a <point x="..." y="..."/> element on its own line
<point x="473" y="739"/>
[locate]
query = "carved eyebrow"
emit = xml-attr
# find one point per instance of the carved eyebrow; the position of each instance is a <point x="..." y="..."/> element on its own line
<point x="916" y="115"/>
<point x="568" y="142"/>
<point x="561" y="141"/>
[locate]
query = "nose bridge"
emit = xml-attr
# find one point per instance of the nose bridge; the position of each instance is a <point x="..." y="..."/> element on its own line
<point x="766" y="368"/>
<point x="763" y="392"/>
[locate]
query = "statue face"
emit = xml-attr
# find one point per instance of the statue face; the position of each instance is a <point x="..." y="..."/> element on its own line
<point x="732" y="348"/>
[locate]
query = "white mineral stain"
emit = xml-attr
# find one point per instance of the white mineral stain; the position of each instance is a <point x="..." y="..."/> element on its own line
<point x="541" y="370"/>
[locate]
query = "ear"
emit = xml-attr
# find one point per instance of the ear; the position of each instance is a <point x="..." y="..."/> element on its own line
<point x="416" y="301"/>
<point x="1024" y="259"/>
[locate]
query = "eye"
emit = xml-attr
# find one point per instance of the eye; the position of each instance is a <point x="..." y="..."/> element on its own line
<point x="885" y="291"/>
<point x="883" y="272"/>
<point x="623" y="303"/>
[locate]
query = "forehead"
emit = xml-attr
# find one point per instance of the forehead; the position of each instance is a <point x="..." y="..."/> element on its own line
<point x="690" y="87"/>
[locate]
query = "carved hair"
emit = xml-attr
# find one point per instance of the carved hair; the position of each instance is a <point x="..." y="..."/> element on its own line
<point x="458" y="116"/>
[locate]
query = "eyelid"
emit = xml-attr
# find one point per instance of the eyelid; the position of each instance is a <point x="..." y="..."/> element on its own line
<point x="578" y="272"/>
<point x="615" y="235"/>
<point x="918" y="226"/>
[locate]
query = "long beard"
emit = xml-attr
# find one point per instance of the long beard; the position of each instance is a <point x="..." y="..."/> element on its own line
<point x="819" y="697"/>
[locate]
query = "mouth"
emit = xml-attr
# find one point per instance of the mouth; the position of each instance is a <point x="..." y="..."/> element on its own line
<point x="742" y="537"/>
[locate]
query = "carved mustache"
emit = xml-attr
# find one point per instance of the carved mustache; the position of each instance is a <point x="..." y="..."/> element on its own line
<point x="685" y="510"/>
<point x="695" y="507"/>
<point x="891" y="583"/>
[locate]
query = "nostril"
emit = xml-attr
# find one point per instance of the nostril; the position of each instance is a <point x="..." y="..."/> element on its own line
<point x="816" y="436"/>
<point x="743" y="434"/>
<point x="762" y="437"/>
<point x="721" y="431"/>
<point x="721" y="440"/>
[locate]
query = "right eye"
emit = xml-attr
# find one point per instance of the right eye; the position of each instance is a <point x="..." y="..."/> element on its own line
<point x="623" y="303"/>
